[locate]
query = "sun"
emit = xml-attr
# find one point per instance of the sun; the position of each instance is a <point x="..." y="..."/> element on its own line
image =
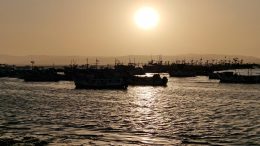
<point x="146" y="18"/>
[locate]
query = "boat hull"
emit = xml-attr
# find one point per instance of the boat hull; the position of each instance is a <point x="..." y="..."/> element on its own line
<point x="120" y="87"/>
<point x="230" y="77"/>
<point x="156" y="80"/>
<point x="100" y="84"/>
<point x="240" y="80"/>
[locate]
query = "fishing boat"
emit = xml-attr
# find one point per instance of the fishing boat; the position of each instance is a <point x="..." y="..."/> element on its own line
<point x="100" y="79"/>
<point x="230" y="77"/>
<point x="155" y="80"/>
<point x="48" y="75"/>
<point x="100" y="83"/>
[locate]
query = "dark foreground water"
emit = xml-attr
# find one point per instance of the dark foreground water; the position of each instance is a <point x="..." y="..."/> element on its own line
<point x="190" y="111"/>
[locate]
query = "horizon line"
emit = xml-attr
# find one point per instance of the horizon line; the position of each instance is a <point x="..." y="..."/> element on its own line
<point x="129" y="55"/>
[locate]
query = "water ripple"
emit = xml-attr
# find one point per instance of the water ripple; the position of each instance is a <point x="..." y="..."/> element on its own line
<point x="189" y="111"/>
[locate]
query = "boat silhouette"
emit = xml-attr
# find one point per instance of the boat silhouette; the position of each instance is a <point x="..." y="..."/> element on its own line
<point x="100" y="79"/>
<point x="155" y="80"/>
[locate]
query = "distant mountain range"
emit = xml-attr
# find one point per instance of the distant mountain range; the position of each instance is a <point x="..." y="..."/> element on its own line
<point x="65" y="60"/>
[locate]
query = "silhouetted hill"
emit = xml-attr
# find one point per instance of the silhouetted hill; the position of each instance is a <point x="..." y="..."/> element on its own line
<point x="65" y="60"/>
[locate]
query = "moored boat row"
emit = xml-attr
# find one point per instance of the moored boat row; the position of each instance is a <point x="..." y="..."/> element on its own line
<point x="119" y="77"/>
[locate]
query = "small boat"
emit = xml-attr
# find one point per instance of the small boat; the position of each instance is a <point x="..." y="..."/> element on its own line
<point x="155" y="80"/>
<point x="230" y="77"/>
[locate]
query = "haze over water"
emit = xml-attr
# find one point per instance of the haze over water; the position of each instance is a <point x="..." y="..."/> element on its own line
<point x="189" y="111"/>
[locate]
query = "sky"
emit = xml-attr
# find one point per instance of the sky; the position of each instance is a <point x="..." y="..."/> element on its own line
<point x="107" y="27"/>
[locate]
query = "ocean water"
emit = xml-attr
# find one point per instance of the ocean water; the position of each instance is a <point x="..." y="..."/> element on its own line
<point x="189" y="111"/>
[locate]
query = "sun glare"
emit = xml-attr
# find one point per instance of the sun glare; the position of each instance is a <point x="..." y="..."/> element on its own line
<point x="146" y="18"/>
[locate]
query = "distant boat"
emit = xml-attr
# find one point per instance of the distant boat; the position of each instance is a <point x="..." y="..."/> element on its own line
<point x="155" y="80"/>
<point x="156" y="67"/>
<point x="48" y="75"/>
<point x="182" y="74"/>
<point x="101" y="79"/>
<point x="230" y="77"/>
<point x="130" y="69"/>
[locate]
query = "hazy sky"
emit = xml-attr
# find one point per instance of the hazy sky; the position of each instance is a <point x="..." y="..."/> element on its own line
<point x="107" y="27"/>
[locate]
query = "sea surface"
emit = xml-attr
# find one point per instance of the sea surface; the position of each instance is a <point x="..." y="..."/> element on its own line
<point x="189" y="111"/>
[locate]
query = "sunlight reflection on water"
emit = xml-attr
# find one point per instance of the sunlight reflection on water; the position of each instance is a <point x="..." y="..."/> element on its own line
<point x="190" y="111"/>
